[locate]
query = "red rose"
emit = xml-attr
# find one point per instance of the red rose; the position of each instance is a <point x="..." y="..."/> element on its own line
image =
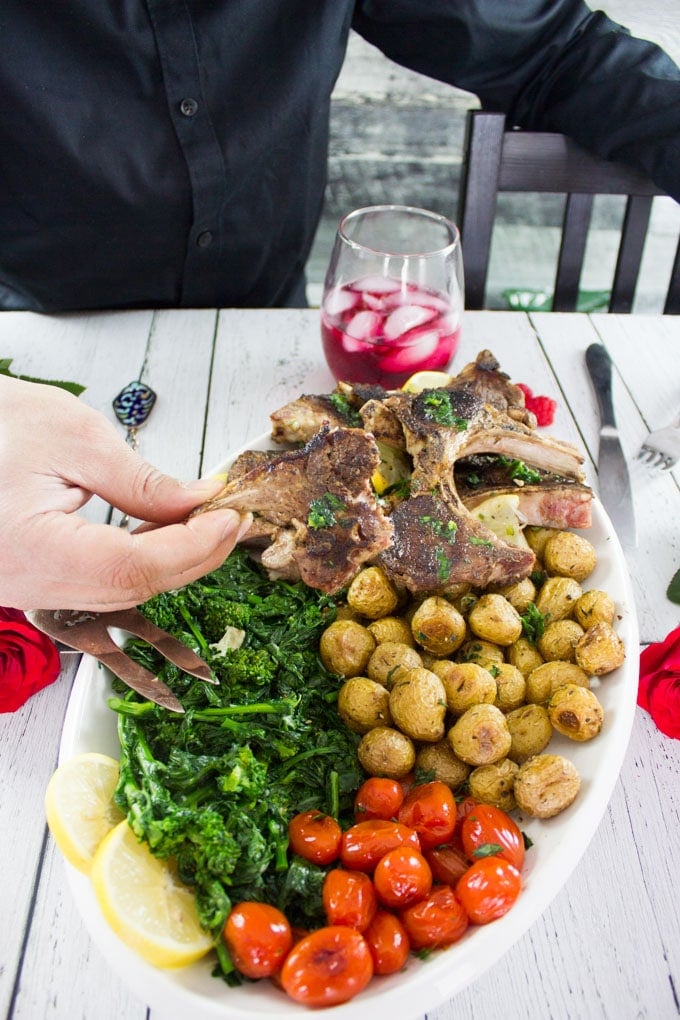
<point x="29" y="661"/>
<point x="659" y="688"/>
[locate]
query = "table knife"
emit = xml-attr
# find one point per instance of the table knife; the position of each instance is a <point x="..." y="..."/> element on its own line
<point x="614" y="480"/>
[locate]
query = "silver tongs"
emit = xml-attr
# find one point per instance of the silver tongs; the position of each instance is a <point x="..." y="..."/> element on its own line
<point x="89" y="632"/>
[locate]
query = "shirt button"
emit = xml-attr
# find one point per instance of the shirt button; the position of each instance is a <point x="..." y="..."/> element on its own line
<point x="188" y="107"/>
<point x="204" y="239"/>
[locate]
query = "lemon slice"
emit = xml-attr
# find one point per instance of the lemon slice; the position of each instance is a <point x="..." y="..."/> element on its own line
<point x="79" y="806"/>
<point x="146" y="903"/>
<point x="500" y="515"/>
<point x="393" y="468"/>
<point x="420" y="381"/>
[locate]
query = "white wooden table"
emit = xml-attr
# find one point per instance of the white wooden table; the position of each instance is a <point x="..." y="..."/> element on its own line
<point x="609" y="946"/>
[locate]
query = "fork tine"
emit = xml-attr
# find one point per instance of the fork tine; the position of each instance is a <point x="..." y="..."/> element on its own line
<point x="169" y="647"/>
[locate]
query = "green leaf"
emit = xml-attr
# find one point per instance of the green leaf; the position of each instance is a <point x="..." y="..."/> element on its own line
<point x="75" y="388"/>
<point x="673" y="590"/>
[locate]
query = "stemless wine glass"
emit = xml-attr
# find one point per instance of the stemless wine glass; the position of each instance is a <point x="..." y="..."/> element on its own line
<point x="393" y="295"/>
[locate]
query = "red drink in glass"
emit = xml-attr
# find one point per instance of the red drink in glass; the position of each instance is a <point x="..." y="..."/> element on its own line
<point x="381" y="330"/>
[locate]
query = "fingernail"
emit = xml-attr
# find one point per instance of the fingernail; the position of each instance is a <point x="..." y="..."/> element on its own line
<point x="206" y="486"/>
<point x="235" y="525"/>
<point x="244" y="527"/>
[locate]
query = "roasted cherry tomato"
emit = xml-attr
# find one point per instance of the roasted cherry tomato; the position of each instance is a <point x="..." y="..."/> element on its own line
<point x="258" y="938"/>
<point x="440" y="920"/>
<point x="430" y="809"/>
<point x="349" y="898"/>
<point x="378" y="798"/>
<point x="402" y="877"/>
<point x="388" y="943"/>
<point x="463" y="809"/>
<point x="327" y="967"/>
<point x="365" y="843"/>
<point x="488" y="830"/>
<point x="315" y="836"/>
<point x="488" y="889"/>
<point x="447" y="862"/>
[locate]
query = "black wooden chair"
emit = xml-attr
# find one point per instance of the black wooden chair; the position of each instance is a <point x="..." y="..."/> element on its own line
<point x="498" y="159"/>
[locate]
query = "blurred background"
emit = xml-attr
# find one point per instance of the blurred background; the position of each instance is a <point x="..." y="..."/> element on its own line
<point x="397" y="137"/>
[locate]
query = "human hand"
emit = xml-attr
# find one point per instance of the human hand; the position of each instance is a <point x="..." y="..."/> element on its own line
<point x="55" y="453"/>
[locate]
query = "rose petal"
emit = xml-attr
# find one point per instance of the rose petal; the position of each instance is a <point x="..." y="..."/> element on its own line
<point x="29" y="661"/>
<point x="662" y="655"/>
<point x="664" y="703"/>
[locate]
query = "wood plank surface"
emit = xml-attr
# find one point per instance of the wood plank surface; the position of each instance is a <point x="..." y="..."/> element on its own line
<point x="609" y="946"/>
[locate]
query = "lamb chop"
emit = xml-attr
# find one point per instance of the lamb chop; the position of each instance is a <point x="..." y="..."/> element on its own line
<point x="314" y="508"/>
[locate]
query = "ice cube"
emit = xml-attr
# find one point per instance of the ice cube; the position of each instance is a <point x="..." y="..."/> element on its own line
<point x="364" y="325"/>
<point x="414" y="356"/>
<point x="405" y="318"/>
<point x="376" y="285"/>
<point x="428" y="298"/>
<point x="339" y="300"/>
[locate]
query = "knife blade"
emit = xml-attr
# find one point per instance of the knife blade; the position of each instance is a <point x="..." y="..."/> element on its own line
<point x="612" y="469"/>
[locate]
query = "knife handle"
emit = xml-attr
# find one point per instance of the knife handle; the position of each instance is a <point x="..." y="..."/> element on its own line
<point x="599" y="366"/>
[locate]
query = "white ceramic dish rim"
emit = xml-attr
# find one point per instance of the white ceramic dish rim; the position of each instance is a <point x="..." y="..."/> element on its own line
<point x="558" y="845"/>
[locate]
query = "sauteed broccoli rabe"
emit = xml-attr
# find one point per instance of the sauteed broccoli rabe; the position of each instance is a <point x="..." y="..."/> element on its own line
<point x="215" y="788"/>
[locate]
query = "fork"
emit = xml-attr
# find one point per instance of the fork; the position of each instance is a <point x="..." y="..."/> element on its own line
<point x="662" y="448"/>
<point x="89" y="632"/>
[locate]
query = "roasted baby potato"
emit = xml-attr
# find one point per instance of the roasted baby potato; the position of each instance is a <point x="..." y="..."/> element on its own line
<point x="494" y="784"/>
<point x="575" y="712"/>
<point x="437" y="626"/>
<point x="557" y="598"/>
<point x="364" y="704"/>
<point x="390" y="660"/>
<point x="446" y="766"/>
<point x="484" y="653"/>
<point x="600" y="650"/>
<point x="481" y="735"/>
<point x="530" y="731"/>
<point x="418" y="705"/>
<point x="519" y="594"/>
<point x="465" y="684"/>
<point x="537" y="538"/>
<point x="544" y="681"/>
<point x="345" y="648"/>
<point x="593" y="607"/>
<point x="559" y="639"/>
<point x="494" y="619"/>
<point x="510" y="686"/>
<point x="546" y="785"/>
<point x="569" y="555"/>
<point x="372" y="594"/>
<point x="391" y="628"/>
<point x="384" y="751"/>
<point x="523" y="654"/>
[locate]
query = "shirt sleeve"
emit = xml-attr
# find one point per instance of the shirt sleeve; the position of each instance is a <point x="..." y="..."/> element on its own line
<point x="550" y="65"/>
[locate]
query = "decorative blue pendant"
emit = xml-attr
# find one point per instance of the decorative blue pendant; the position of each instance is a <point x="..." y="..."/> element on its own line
<point x="133" y="404"/>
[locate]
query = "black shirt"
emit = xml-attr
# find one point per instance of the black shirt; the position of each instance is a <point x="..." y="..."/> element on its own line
<point x="173" y="152"/>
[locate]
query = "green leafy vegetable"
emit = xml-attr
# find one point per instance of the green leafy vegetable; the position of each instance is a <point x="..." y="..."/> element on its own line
<point x="216" y="787"/>
<point x="673" y="590"/>
<point x="533" y="623"/>
<point x="345" y="409"/>
<point x="75" y="388"/>
<point x="520" y="471"/>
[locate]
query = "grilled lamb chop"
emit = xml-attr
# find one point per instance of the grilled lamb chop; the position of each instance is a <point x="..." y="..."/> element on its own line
<point x="545" y="498"/>
<point x="317" y="507"/>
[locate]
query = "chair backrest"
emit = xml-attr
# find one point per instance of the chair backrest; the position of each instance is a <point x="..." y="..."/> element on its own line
<point x="497" y="159"/>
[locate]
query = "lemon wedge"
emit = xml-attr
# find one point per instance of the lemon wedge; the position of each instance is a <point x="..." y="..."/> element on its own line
<point x="145" y="902"/>
<point x="420" y="381"/>
<point x="500" y="514"/>
<point x="79" y="806"/>
<point x="393" y="468"/>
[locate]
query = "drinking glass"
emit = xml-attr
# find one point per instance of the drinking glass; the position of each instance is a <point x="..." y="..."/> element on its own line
<point x="393" y="295"/>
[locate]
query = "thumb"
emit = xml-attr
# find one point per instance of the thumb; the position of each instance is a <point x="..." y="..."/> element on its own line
<point x="133" y="485"/>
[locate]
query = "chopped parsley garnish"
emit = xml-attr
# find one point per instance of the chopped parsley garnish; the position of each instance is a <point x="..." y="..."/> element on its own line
<point x="401" y="489"/>
<point x="520" y="472"/>
<point x="438" y="408"/>
<point x="473" y="479"/>
<point x="444" y="529"/>
<point x="322" y="511"/>
<point x="345" y="409"/>
<point x="533" y="623"/>
<point x="481" y="541"/>
<point x="443" y="564"/>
